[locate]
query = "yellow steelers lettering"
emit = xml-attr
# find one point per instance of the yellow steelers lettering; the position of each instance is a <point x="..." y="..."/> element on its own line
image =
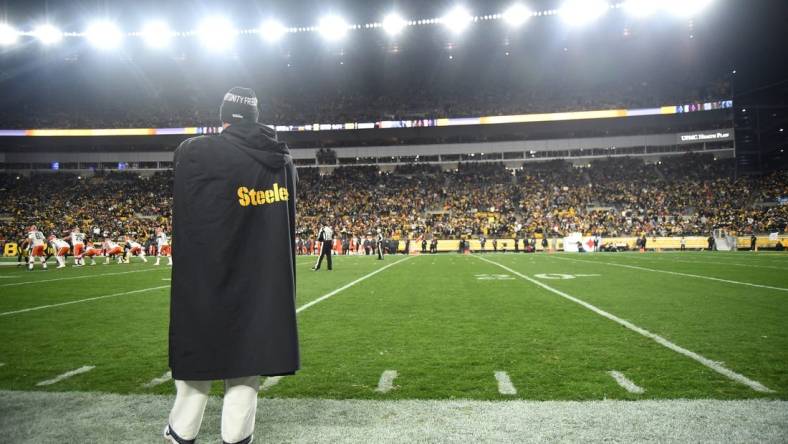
<point x="250" y="196"/>
<point x="243" y="196"/>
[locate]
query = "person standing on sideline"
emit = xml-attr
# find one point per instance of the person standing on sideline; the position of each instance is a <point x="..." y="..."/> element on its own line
<point x="326" y="239"/>
<point x="753" y="241"/>
<point x="232" y="311"/>
<point x="379" y="243"/>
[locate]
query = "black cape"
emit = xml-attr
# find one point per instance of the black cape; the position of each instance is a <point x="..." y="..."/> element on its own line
<point x="232" y="307"/>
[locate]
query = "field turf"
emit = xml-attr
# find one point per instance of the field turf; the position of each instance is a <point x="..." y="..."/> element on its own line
<point x="445" y="323"/>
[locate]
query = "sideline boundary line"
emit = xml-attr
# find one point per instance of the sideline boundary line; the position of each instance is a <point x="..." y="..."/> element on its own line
<point x="716" y="366"/>
<point x="41" y="307"/>
<point x="346" y="286"/>
<point x="675" y="273"/>
<point x="14" y="284"/>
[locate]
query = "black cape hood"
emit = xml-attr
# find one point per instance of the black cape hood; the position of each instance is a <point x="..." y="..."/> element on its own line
<point x="258" y="142"/>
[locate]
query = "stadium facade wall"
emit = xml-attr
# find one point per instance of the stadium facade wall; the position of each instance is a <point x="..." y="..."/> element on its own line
<point x="720" y="142"/>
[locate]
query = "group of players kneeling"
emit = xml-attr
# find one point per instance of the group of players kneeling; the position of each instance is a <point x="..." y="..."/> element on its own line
<point x="36" y="246"/>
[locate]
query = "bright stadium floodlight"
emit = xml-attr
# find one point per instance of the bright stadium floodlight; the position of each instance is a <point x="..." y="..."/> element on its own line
<point x="580" y="12"/>
<point x="332" y="27"/>
<point x="516" y="15"/>
<point x="272" y="31"/>
<point x="8" y="34"/>
<point x="685" y="8"/>
<point x="217" y="33"/>
<point x="393" y="24"/>
<point x="48" y="34"/>
<point x="104" y="35"/>
<point x="641" y="8"/>
<point x="457" y="20"/>
<point x="157" y="35"/>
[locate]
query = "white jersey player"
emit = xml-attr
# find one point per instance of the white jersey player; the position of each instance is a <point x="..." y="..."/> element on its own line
<point x="133" y="248"/>
<point x="36" y="242"/>
<point x="61" y="248"/>
<point x="77" y="239"/>
<point x="162" y="246"/>
<point x="111" y="249"/>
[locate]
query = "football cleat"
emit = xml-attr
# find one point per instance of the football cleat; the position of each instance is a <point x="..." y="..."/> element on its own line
<point x="173" y="438"/>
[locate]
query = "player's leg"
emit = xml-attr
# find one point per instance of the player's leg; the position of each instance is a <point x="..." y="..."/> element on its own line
<point x="238" y="409"/>
<point x="158" y="255"/>
<point x="169" y="255"/>
<point x="186" y="414"/>
<point x="328" y="260"/>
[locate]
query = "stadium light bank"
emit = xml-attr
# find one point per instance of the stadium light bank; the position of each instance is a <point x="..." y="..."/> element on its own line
<point x="219" y="32"/>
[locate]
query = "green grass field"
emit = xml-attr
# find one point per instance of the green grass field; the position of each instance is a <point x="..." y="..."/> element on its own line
<point x="445" y="323"/>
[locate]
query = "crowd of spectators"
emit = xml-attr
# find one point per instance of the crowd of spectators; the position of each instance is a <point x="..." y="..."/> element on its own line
<point x="302" y="106"/>
<point x="116" y="203"/>
<point x="687" y="195"/>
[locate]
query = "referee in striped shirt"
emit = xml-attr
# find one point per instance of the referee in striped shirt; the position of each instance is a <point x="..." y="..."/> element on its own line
<point x="326" y="237"/>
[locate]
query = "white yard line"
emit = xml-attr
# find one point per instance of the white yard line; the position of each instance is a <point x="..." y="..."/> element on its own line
<point x="270" y="382"/>
<point x="13" y="284"/>
<point x="158" y="381"/>
<point x="78" y="301"/>
<point x="675" y="273"/>
<point x="346" y="286"/>
<point x="714" y="365"/>
<point x="300" y="309"/>
<point x="67" y="375"/>
<point x="2" y="364"/>
<point x="505" y="386"/>
<point x="735" y="264"/>
<point x="386" y="382"/>
<point x="625" y="383"/>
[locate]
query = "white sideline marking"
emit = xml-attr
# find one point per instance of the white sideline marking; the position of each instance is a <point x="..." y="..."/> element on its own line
<point x="41" y="307"/>
<point x="66" y="375"/>
<point x="716" y="366"/>
<point x="505" y="386"/>
<point x="346" y="286"/>
<point x="76" y="277"/>
<point x="386" y="382"/>
<point x="625" y="383"/>
<point x="270" y="382"/>
<point x="158" y="381"/>
<point x="676" y="273"/>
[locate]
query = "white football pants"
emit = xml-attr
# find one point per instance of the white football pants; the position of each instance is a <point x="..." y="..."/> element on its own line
<point x="238" y="409"/>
